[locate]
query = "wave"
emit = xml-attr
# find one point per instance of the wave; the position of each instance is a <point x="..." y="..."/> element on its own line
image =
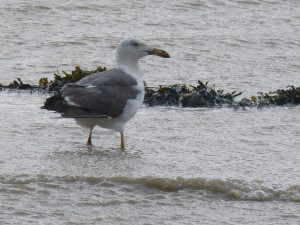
<point x="231" y="189"/>
<point x="65" y="43"/>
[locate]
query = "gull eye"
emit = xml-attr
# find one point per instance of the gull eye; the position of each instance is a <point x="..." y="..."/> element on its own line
<point x="135" y="44"/>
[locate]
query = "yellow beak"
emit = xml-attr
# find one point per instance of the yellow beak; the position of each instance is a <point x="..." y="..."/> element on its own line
<point x="159" y="52"/>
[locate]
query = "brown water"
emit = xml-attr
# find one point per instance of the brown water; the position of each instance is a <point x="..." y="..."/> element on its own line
<point x="181" y="166"/>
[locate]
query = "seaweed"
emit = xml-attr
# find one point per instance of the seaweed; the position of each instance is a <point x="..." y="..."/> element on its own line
<point x="18" y="84"/>
<point x="164" y="95"/>
<point x="55" y="85"/>
<point x="183" y="95"/>
<point x="289" y="96"/>
<point x="196" y="96"/>
<point x="62" y="79"/>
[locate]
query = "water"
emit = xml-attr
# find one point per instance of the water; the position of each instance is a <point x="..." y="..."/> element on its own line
<point x="181" y="166"/>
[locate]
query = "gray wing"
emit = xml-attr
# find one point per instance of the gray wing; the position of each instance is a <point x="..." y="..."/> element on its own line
<point x="100" y="94"/>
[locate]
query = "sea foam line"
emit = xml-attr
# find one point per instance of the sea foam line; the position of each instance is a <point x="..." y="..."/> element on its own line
<point x="231" y="189"/>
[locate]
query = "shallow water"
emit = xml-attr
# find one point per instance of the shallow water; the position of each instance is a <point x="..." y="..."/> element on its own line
<point x="181" y="166"/>
<point x="211" y="166"/>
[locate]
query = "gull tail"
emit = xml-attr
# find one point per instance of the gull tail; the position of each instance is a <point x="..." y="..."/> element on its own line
<point x="56" y="103"/>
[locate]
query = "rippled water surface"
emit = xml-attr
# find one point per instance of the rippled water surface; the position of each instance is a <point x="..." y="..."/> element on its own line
<point x="181" y="166"/>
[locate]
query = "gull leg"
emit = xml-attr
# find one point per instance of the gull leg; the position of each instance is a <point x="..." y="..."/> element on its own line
<point x="122" y="141"/>
<point x="89" y="142"/>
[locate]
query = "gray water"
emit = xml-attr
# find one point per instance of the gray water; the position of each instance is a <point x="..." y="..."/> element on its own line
<point x="181" y="166"/>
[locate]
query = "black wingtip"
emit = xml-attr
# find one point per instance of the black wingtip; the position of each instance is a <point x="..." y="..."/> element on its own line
<point x="55" y="103"/>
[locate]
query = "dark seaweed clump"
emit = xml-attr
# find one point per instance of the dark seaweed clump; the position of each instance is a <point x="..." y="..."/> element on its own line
<point x="61" y="79"/>
<point x="18" y="85"/>
<point x="189" y="96"/>
<point x="204" y="96"/>
<point x="201" y="95"/>
<point x="289" y="96"/>
<point x="54" y="85"/>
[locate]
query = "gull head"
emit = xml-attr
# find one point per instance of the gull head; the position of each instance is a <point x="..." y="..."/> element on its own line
<point x="130" y="50"/>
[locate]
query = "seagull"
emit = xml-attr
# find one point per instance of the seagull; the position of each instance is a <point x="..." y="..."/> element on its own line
<point x="111" y="98"/>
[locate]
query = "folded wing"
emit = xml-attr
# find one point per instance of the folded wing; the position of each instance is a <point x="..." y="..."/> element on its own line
<point x="102" y="94"/>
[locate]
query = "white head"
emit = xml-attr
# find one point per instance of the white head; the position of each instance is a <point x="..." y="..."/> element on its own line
<point x="130" y="50"/>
